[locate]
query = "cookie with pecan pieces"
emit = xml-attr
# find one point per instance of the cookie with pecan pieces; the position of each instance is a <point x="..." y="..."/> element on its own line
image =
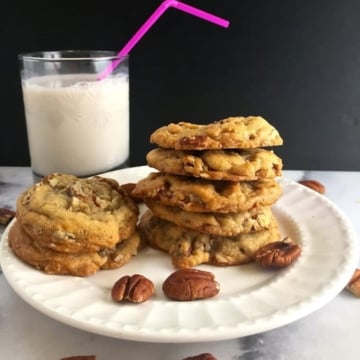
<point x="58" y="263"/>
<point x="233" y="165"/>
<point x="200" y="195"/>
<point x="189" y="248"/>
<point x="230" y="133"/>
<point x="228" y="224"/>
<point x="69" y="214"/>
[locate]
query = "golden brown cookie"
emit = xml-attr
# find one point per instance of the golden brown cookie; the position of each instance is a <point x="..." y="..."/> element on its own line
<point x="50" y="261"/>
<point x="233" y="165"/>
<point x="230" y="133"/>
<point x="58" y="263"/>
<point x="189" y="248"/>
<point x="69" y="214"/>
<point x="123" y="252"/>
<point x="200" y="195"/>
<point x="228" y="224"/>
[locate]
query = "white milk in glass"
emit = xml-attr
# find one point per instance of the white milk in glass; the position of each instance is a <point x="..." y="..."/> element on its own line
<point x="75" y="124"/>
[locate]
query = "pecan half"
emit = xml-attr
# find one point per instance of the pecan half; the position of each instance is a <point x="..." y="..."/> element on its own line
<point x="203" y="356"/>
<point x="190" y="284"/>
<point x="80" y="357"/>
<point x="128" y="188"/>
<point x="314" y="185"/>
<point x="136" y="288"/>
<point x="6" y="215"/>
<point x="354" y="284"/>
<point x="278" y="254"/>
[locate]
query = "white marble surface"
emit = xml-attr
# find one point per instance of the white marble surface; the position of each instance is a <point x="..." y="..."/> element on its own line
<point x="327" y="334"/>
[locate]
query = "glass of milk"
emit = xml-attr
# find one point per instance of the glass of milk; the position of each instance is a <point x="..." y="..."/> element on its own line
<point x="76" y="124"/>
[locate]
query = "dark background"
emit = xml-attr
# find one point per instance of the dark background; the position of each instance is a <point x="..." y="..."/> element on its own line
<point x="297" y="63"/>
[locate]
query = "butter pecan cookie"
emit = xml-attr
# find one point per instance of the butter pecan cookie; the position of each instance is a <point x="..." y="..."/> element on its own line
<point x="69" y="214"/>
<point x="200" y="195"/>
<point x="228" y="224"/>
<point x="50" y="261"/>
<point x="124" y="251"/>
<point x="233" y="165"/>
<point x="229" y="133"/>
<point x="189" y="248"/>
<point x="58" y="263"/>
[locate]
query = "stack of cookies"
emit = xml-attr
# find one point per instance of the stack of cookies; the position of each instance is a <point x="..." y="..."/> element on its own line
<point x="210" y="200"/>
<point x="71" y="226"/>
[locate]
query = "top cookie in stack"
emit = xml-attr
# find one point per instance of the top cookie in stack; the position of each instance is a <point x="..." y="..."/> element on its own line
<point x="210" y="200"/>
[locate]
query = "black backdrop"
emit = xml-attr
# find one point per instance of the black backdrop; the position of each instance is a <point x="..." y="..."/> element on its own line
<point x="297" y="63"/>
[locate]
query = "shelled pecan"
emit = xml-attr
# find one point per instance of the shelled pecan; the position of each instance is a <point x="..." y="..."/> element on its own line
<point x="314" y="185"/>
<point x="135" y="288"/>
<point x="278" y="254"/>
<point x="6" y="215"/>
<point x="190" y="284"/>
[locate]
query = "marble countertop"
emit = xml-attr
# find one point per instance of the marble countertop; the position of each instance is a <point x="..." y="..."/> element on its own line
<point x="330" y="333"/>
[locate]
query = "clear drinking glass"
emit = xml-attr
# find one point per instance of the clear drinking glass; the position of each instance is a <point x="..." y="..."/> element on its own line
<point x="75" y="123"/>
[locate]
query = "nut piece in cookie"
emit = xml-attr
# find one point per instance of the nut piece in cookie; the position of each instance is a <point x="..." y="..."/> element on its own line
<point x="123" y="252"/>
<point x="229" y="133"/>
<point x="190" y="284"/>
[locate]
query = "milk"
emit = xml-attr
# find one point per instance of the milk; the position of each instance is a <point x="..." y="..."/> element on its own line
<point x="75" y="124"/>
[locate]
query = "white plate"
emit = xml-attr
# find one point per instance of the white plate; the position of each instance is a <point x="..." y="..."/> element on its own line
<point x="251" y="299"/>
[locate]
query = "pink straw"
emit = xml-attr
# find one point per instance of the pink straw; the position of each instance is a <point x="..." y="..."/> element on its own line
<point x="151" y="20"/>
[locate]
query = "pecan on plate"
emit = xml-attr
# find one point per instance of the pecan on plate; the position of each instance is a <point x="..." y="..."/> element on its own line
<point x="203" y="356"/>
<point x="314" y="185"/>
<point x="354" y="284"/>
<point x="127" y="188"/>
<point x="135" y="288"/>
<point x="6" y="215"/>
<point x="278" y="254"/>
<point x="190" y="284"/>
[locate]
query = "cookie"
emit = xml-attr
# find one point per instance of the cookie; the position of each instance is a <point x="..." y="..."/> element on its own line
<point x="71" y="215"/>
<point x="228" y="224"/>
<point x="58" y="263"/>
<point x="200" y="195"/>
<point x="123" y="252"/>
<point x="189" y="248"/>
<point x="229" y="133"/>
<point x="232" y="165"/>
<point x="50" y="261"/>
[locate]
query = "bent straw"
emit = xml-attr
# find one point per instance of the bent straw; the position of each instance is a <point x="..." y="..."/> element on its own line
<point x="151" y="20"/>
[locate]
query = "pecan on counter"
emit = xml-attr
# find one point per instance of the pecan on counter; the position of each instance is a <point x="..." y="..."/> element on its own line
<point x="80" y="357"/>
<point x="354" y="284"/>
<point x="6" y="215"/>
<point x="203" y="356"/>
